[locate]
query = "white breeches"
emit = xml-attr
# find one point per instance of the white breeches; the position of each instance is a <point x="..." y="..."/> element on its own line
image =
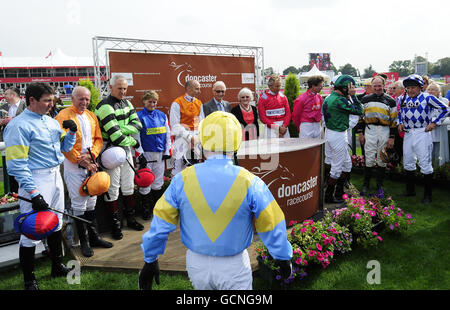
<point x="310" y="130"/>
<point x="272" y="133"/>
<point x="219" y="272"/>
<point x="337" y="154"/>
<point x="157" y="168"/>
<point x="122" y="178"/>
<point x="376" y="138"/>
<point x="50" y="186"/>
<point x="418" y="145"/>
<point x="181" y="147"/>
<point x="74" y="177"/>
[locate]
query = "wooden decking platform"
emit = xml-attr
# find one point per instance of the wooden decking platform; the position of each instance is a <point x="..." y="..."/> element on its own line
<point x="127" y="253"/>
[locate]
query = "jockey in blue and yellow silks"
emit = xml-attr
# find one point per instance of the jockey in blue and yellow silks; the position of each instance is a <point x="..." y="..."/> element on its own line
<point x="34" y="145"/>
<point x="215" y="203"/>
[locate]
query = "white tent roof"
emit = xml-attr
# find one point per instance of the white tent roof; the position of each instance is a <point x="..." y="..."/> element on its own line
<point x="55" y="58"/>
<point x="314" y="71"/>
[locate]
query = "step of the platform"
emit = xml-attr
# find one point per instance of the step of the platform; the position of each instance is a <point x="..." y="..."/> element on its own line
<point x="127" y="253"/>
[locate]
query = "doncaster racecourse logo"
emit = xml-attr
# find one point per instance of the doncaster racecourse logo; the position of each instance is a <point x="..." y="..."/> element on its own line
<point x="185" y="73"/>
<point x="279" y="177"/>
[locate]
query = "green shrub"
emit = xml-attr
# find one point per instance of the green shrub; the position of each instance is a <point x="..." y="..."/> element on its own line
<point x="95" y="93"/>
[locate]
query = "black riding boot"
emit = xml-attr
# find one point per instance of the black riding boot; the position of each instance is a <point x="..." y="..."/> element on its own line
<point x="381" y="172"/>
<point x="410" y="185"/>
<point x="326" y="173"/>
<point x="129" y="212"/>
<point x="147" y="204"/>
<point x="86" y="249"/>
<point x="26" y="258"/>
<point x="366" y="184"/>
<point x="54" y="242"/>
<point x="347" y="180"/>
<point x="157" y="194"/>
<point x="94" y="237"/>
<point x="116" y="230"/>
<point x="339" y="192"/>
<point x="428" y="188"/>
<point x="330" y="197"/>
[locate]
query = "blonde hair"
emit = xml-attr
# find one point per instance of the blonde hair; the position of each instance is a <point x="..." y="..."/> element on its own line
<point x="435" y="85"/>
<point x="273" y="78"/>
<point x="150" y="94"/>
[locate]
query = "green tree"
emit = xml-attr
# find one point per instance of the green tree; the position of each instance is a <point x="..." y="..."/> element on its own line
<point x="290" y="69"/>
<point x="368" y="72"/>
<point x="348" y="69"/>
<point x="441" y="67"/>
<point x="95" y="93"/>
<point x="403" y="67"/>
<point x="291" y="91"/>
<point x="304" y="68"/>
<point x="333" y="68"/>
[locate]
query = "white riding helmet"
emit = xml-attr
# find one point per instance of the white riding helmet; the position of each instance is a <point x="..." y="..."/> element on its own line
<point x="113" y="157"/>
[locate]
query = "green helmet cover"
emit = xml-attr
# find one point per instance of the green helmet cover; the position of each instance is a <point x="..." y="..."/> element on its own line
<point x="344" y="80"/>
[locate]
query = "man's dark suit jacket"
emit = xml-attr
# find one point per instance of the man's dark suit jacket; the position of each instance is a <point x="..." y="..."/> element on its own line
<point x="211" y="106"/>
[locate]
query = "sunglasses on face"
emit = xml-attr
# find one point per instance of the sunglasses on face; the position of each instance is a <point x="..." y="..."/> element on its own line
<point x="220" y="91"/>
<point x="245" y="97"/>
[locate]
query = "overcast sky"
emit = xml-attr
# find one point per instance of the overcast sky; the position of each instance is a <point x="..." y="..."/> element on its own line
<point x="362" y="33"/>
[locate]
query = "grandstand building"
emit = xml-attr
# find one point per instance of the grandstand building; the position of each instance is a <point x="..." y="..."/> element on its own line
<point x="57" y="69"/>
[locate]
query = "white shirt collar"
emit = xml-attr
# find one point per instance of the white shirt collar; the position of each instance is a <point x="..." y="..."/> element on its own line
<point x="189" y="98"/>
<point x="15" y="104"/>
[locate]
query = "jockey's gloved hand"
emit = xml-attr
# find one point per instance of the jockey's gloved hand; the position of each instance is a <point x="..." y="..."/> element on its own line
<point x="142" y="161"/>
<point x="137" y="145"/>
<point x="70" y="124"/>
<point x="38" y="203"/>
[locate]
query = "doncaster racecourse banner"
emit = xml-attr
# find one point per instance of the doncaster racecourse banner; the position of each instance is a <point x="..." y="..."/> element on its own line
<point x="291" y="169"/>
<point x="167" y="74"/>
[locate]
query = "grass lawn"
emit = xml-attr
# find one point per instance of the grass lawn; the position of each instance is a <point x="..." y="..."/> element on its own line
<point x="417" y="260"/>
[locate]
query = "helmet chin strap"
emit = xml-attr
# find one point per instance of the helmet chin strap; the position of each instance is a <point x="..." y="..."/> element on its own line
<point x="345" y="91"/>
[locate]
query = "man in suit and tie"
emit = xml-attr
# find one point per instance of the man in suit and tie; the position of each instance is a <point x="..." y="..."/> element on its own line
<point x="216" y="103"/>
<point x="12" y="108"/>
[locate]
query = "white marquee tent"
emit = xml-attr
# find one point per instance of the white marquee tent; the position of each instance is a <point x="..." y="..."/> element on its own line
<point x="314" y="71"/>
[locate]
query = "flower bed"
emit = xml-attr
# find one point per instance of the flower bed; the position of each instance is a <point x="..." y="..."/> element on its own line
<point x="318" y="243"/>
<point x="8" y="199"/>
<point x="358" y="161"/>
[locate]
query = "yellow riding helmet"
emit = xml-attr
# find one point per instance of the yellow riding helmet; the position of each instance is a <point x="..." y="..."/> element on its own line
<point x="220" y="132"/>
<point x="95" y="185"/>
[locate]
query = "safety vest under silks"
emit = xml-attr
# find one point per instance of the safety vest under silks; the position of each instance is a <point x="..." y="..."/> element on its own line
<point x="189" y="111"/>
<point x="153" y="133"/>
<point x="215" y="203"/>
